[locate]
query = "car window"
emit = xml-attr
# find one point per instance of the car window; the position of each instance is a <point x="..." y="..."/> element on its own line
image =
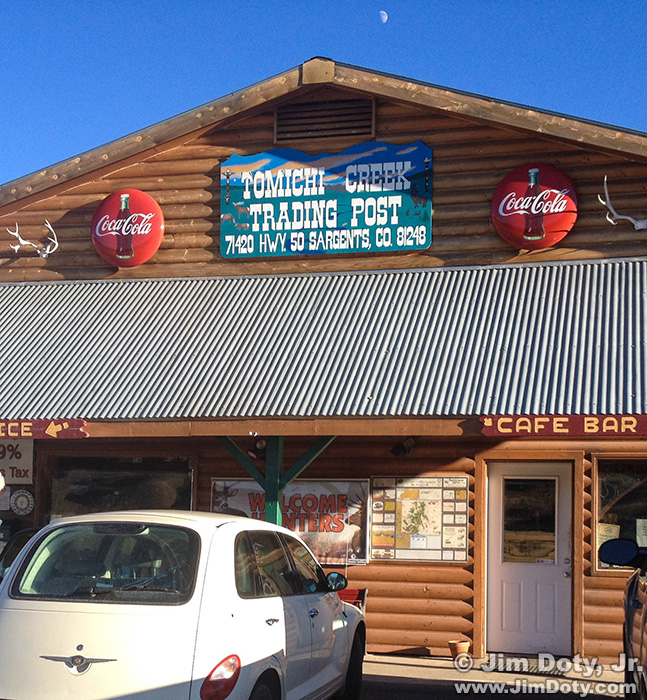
<point x="277" y="577"/>
<point x="111" y="562"/>
<point x="12" y="549"/>
<point x="247" y="577"/>
<point x="310" y="575"/>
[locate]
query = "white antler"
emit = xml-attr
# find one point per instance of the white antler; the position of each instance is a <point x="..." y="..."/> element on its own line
<point x="42" y="252"/>
<point x="612" y="215"/>
<point x="49" y="249"/>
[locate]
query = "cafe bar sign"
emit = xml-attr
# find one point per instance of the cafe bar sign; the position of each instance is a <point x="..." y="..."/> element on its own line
<point x="371" y="198"/>
<point x="561" y="426"/>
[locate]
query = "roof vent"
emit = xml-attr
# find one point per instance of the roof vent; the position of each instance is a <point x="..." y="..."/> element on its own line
<point x="324" y="120"/>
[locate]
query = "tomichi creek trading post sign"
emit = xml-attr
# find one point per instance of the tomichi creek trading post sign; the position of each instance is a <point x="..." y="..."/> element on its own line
<point x="373" y="197"/>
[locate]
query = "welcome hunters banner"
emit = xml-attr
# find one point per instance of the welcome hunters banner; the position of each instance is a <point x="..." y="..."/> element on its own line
<point x="330" y="516"/>
<point x="373" y="197"/>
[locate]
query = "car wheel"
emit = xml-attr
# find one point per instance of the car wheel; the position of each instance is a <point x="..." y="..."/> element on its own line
<point x="353" y="688"/>
<point x="261" y="692"/>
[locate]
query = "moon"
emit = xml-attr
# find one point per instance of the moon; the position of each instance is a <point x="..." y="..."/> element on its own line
<point x="383" y="16"/>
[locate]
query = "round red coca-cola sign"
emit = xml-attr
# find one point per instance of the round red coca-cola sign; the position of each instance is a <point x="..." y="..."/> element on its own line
<point x="534" y="206"/>
<point x="128" y="228"/>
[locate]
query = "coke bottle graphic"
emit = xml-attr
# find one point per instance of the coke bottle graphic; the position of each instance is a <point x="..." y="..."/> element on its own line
<point x="124" y="230"/>
<point x="534" y="228"/>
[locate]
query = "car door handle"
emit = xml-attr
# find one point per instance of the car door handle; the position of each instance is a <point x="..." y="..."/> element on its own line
<point x="313" y="613"/>
<point x="271" y="621"/>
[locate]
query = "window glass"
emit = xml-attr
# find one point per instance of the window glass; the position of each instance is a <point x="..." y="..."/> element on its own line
<point x="276" y="574"/>
<point x="310" y="575"/>
<point x="247" y="583"/>
<point x="116" y="562"/>
<point x="83" y="485"/>
<point x="622" y="501"/>
<point x="529" y="520"/>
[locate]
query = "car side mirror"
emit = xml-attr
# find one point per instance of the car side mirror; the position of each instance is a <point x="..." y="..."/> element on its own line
<point x="336" y="581"/>
<point x="619" y="552"/>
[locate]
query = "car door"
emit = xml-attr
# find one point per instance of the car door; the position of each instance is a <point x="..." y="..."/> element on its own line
<point x="277" y="580"/>
<point x="329" y="635"/>
<point x="636" y="609"/>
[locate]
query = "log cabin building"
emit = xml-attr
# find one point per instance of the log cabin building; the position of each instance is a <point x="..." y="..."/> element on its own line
<point x="360" y="279"/>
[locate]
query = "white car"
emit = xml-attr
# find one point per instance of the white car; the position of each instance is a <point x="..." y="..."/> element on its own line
<point x="157" y="605"/>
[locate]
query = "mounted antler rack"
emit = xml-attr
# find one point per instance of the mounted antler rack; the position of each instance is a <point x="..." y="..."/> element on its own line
<point x="612" y="215"/>
<point x="43" y="251"/>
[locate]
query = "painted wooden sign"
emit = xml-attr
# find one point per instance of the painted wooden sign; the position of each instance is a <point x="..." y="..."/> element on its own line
<point x="560" y="426"/>
<point x="42" y="428"/>
<point x="371" y="198"/>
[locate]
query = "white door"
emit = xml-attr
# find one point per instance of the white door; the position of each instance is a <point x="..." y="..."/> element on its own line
<point x="529" y="585"/>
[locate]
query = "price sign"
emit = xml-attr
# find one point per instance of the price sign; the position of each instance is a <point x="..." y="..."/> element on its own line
<point x="17" y="461"/>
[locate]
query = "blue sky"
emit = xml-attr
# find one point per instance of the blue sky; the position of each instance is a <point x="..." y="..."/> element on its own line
<point x="76" y="74"/>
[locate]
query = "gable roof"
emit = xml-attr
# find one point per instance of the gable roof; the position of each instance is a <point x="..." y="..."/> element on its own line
<point x="316" y="72"/>
<point x="561" y="338"/>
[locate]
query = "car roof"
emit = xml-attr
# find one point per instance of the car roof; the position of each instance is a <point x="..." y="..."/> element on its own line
<point x="199" y="520"/>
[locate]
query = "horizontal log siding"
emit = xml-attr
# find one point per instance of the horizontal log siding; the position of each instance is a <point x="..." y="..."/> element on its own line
<point x="603" y="595"/>
<point x="411" y="607"/>
<point x="469" y="160"/>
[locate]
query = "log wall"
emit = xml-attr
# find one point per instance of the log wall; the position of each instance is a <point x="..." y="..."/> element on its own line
<point x="412" y="607"/>
<point x="469" y="161"/>
<point x="603" y="596"/>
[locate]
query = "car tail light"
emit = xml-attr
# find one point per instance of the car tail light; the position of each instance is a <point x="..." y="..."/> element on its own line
<point x="221" y="681"/>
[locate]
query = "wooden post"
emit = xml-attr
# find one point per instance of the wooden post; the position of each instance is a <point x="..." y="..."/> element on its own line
<point x="274" y="480"/>
<point x="273" y="470"/>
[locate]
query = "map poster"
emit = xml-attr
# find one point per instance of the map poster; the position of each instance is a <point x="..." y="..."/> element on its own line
<point x="330" y="516"/>
<point x="420" y="518"/>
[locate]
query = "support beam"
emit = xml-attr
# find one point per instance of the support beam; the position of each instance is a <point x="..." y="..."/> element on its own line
<point x="243" y="460"/>
<point x="305" y="460"/>
<point x="274" y="480"/>
<point x="273" y="491"/>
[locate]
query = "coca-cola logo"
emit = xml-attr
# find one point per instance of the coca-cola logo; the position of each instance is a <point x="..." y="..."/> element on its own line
<point x="134" y="225"/>
<point x="128" y="228"/>
<point x="534" y="206"/>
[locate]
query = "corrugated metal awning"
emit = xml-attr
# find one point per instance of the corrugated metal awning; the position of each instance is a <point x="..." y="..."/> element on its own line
<point x="563" y="338"/>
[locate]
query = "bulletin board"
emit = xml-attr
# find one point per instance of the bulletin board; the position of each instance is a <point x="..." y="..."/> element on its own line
<point x="420" y="518"/>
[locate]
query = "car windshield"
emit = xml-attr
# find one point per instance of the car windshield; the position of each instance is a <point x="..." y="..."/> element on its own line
<point x="112" y="562"/>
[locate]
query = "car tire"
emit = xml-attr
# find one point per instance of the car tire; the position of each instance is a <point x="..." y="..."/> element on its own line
<point x="353" y="687"/>
<point x="262" y="692"/>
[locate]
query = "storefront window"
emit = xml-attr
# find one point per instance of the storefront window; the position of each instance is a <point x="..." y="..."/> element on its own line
<point x="91" y="485"/>
<point x="622" y="501"/>
<point x="529" y="520"/>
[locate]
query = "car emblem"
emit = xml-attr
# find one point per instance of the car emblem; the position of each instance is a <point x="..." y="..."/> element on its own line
<point x="76" y="664"/>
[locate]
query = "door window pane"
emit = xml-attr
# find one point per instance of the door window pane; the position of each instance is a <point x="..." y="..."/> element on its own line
<point x="529" y="520"/>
